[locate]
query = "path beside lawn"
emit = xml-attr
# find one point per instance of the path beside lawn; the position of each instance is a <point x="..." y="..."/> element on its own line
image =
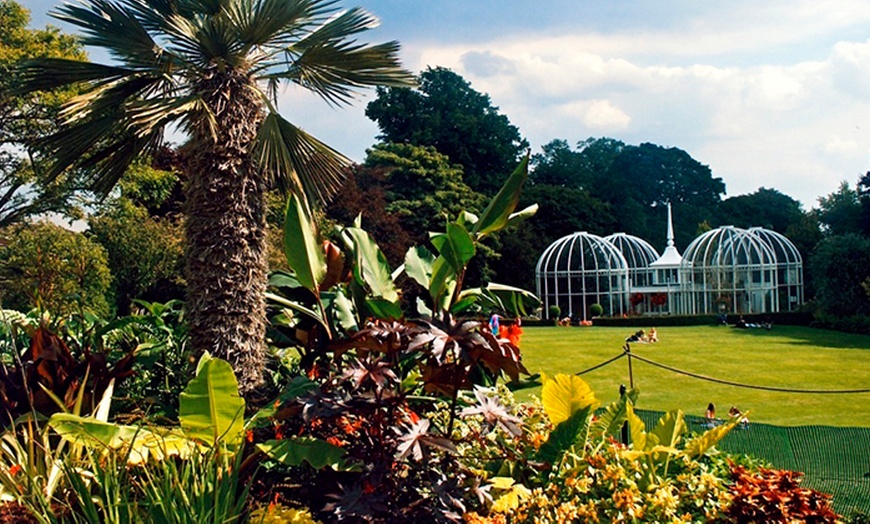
<point x="786" y="356"/>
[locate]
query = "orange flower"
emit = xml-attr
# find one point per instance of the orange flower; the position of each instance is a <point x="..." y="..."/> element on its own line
<point x="348" y="426"/>
<point x="249" y="435"/>
<point x="16" y="469"/>
<point x="335" y="441"/>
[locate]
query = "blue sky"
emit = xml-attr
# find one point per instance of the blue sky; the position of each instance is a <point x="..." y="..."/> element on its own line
<point x="767" y="93"/>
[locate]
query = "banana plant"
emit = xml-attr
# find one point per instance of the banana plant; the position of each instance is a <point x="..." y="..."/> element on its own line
<point x="442" y="274"/>
<point x="210" y="414"/>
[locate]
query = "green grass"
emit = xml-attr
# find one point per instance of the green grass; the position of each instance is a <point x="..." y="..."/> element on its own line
<point x="786" y="356"/>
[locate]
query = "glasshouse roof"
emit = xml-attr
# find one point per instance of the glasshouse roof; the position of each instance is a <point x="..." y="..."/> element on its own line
<point x="581" y="252"/>
<point x="729" y="246"/>
<point x="638" y="253"/>
<point x="783" y="248"/>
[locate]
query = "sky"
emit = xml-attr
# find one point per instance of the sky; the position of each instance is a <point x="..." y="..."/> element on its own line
<point x="767" y="93"/>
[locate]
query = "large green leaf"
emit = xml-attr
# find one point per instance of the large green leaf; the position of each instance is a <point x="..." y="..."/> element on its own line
<point x="609" y="421"/>
<point x="141" y="444"/>
<point x="499" y="210"/>
<point x="210" y="408"/>
<point x="564" y="395"/>
<point x="384" y="309"/>
<point x="636" y="429"/>
<point x="456" y="246"/>
<point x="706" y="441"/>
<point x="371" y="265"/>
<point x="671" y="426"/>
<point x="303" y="251"/>
<point x="340" y="309"/>
<point x="294" y="451"/>
<point x="418" y="265"/>
<point x="443" y="283"/>
<point x="571" y="432"/>
<point x="512" y="301"/>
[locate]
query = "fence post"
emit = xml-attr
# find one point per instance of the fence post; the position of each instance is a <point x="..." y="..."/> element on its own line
<point x="624" y="432"/>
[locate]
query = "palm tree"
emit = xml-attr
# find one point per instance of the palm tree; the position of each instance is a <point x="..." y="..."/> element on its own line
<point x="213" y="68"/>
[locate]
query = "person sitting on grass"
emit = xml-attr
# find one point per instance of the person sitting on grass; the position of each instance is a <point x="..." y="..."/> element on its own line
<point x="710" y="415"/>
<point x="744" y="420"/>
<point x="637" y="337"/>
<point x="652" y="336"/>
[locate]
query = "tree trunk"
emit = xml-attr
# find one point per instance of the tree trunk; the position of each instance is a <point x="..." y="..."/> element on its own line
<point x="226" y="231"/>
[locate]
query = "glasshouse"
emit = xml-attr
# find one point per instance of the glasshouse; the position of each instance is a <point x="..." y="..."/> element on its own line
<point x="725" y="270"/>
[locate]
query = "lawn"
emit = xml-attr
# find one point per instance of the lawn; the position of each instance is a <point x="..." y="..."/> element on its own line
<point x="786" y="357"/>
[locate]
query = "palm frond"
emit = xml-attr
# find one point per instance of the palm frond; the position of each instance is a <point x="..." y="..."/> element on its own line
<point x="261" y="22"/>
<point x="335" y="71"/>
<point x="44" y="74"/>
<point x="297" y="161"/>
<point x="107" y="165"/>
<point x="71" y="143"/>
<point x="107" y="25"/>
<point x="328" y="63"/>
<point x="149" y="117"/>
<point x="106" y="98"/>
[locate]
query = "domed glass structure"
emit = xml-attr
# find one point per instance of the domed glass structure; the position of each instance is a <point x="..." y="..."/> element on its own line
<point x="729" y="269"/>
<point x="725" y="270"/>
<point x="638" y="254"/>
<point x="789" y="268"/>
<point x="579" y="270"/>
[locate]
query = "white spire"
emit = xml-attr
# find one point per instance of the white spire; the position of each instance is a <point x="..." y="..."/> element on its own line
<point x="671" y="257"/>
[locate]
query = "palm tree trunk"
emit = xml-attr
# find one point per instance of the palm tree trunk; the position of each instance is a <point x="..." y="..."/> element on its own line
<point x="226" y="231"/>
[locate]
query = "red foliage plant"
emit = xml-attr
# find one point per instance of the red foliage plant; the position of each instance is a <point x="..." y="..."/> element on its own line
<point x="772" y="495"/>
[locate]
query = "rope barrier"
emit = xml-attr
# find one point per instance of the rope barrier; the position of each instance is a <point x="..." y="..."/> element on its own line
<point x="739" y="385"/>
<point x="593" y="368"/>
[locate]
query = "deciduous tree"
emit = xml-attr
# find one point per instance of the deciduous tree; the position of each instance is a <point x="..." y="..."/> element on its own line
<point x="24" y="118"/>
<point x="51" y="268"/>
<point x="445" y="112"/>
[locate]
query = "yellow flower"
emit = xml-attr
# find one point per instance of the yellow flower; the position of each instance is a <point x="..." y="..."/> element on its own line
<point x="280" y="514"/>
<point x="512" y="496"/>
<point x="665" y="499"/>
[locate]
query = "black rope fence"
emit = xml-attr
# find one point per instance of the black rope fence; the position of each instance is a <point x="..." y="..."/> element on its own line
<point x="627" y="353"/>
<point x="593" y="368"/>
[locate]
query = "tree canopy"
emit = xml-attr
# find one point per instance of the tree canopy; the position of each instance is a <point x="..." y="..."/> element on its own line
<point x="25" y="118"/>
<point x="446" y="113"/>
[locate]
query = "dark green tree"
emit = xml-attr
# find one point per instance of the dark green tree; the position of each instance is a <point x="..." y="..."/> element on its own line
<point x="766" y="208"/>
<point x="24" y="118"/>
<point x="558" y="165"/>
<point x="642" y="179"/>
<point x="839" y="266"/>
<point x="45" y="266"/>
<point x="424" y="189"/>
<point x="840" y="212"/>
<point x="864" y="199"/>
<point x="145" y="252"/>
<point x="214" y="69"/>
<point x="447" y="114"/>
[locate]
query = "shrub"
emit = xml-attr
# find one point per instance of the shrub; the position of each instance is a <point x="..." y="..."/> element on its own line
<point x="596" y="310"/>
<point x="51" y="268"/>
<point x="768" y="495"/>
<point x="554" y="312"/>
